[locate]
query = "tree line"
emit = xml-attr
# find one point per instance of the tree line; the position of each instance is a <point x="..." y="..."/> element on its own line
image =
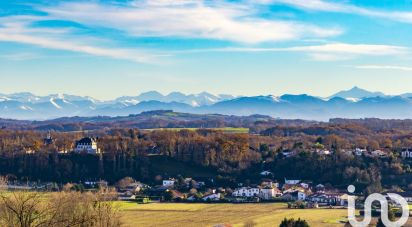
<point x="232" y="157"/>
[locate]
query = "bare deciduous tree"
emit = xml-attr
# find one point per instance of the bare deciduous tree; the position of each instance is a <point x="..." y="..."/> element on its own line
<point x="73" y="209"/>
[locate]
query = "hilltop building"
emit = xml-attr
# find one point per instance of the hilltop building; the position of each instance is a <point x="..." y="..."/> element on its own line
<point x="49" y="140"/>
<point x="406" y="153"/>
<point x="88" y="145"/>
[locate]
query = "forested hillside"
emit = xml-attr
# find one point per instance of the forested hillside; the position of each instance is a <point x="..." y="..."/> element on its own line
<point x="225" y="157"/>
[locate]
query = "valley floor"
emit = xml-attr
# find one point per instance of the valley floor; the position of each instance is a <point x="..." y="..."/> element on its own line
<point x="182" y="215"/>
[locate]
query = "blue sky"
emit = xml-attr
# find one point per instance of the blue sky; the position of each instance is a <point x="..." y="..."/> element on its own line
<point x="107" y="49"/>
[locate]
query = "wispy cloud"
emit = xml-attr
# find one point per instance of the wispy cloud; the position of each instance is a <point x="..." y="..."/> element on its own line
<point x="387" y="67"/>
<point x="356" y="49"/>
<point x="18" y="30"/>
<point x="324" y="52"/>
<point x="74" y="47"/>
<point x="239" y="23"/>
<point x="23" y="56"/>
<point x="328" y="6"/>
<point x="218" y="20"/>
<point x="329" y="57"/>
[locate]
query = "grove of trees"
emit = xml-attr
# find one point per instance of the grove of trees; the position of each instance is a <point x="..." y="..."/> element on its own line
<point x="231" y="157"/>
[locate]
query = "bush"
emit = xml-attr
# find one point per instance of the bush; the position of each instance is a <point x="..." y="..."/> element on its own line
<point x="293" y="223"/>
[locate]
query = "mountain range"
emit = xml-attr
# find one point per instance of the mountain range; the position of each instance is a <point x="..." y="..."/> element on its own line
<point x="352" y="103"/>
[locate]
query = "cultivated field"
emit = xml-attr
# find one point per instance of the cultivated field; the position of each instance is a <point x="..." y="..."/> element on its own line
<point x="181" y="215"/>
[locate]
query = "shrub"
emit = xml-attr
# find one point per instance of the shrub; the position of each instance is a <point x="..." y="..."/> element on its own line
<point x="293" y="223"/>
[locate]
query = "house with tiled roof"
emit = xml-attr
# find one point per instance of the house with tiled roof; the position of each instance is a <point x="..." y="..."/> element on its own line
<point x="328" y="198"/>
<point x="212" y="197"/>
<point x="246" y="192"/>
<point x="269" y="192"/>
<point x="294" y="195"/>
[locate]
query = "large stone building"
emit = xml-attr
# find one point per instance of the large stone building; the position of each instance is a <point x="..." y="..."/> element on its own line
<point x="88" y="145"/>
<point x="406" y="153"/>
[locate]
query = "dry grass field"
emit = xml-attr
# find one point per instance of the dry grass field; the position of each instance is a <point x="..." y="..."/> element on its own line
<point x="182" y="215"/>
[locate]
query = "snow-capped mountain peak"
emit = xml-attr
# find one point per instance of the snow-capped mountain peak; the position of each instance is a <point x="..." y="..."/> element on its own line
<point x="54" y="103"/>
<point x="351" y="104"/>
<point x="350" y="99"/>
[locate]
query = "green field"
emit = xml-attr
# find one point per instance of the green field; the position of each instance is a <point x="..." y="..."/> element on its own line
<point x="181" y="215"/>
<point x="226" y="129"/>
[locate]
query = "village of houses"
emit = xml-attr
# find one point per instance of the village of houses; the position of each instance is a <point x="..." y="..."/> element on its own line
<point x="189" y="190"/>
<point x="298" y="193"/>
<point x="268" y="191"/>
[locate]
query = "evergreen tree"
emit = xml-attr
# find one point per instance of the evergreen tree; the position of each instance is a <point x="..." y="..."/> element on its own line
<point x="293" y="223"/>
